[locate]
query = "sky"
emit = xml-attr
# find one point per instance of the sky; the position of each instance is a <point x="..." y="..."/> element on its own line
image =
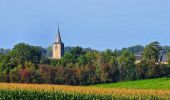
<point x="99" y="24"/>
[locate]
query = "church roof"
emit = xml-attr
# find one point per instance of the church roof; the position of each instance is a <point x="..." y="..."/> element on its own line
<point x="58" y="38"/>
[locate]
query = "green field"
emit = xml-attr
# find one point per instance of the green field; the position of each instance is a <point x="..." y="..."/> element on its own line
<point x="158" y="84"/>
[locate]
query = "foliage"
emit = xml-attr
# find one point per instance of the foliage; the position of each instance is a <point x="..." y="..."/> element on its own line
<point x="108" y="67"/>
<point x="127" y="66"/>
<point x="45" y="60"/>
<point x="23" y="52"/>
<point x="137" y="49"/>
<point x="152" y="51"/>
<point x="49" y="51"/>
<point x="81" y="66"/>
<point x="4" y="51"/>
<point x="6" y="63"/>
<point x="168" y="57"/>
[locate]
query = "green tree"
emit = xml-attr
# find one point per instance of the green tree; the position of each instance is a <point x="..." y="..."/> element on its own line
<point x="68" y="60"/>
<point x="137" y="49"/>
<point x="149" y="67"/>
<point x="23" y="52"/>
<point x="82" y="61"/>
<point x="45" y="60"/>
<point x="108" y="67"/>
<point x="77" y="51"/>
<point x="127" y="68"/>
<point x="4" y="51"/>
<point x="53" y="62"/>
<point x="6" y="64"/>
<point x="1" y="56"/>
<point x="168" y="57"/>
<point x="49" y="51"/>
<point x="152" y="51"/>
<point x="92" y="58"/>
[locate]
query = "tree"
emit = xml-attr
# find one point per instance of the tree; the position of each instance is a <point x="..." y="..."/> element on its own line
<point x="92" y="58"/>
<point x="6" y="64"/>
<point x="4" y="51"/>
<point x="166" y="48"/>
<point x="49" y="51"/>
<point x="149" y="69"/>
<point x="77" y="51"/>
<point x="67" y="49"/>
<point x="1" y="56"/>
<point x="127" y="68"/>
<point x="68" y="60"/>
<point x="137" y="49"/>
<point x="82" y="61"/>
<point x="40" y="50"/>
<point x="48" y="73"/>
<point x="143" y="68"/>
<point x="23" y="52"/>
<point x="152" y="51"/>
<point x="45" y="60"/>
<point x="108" y="67"/>
<point x="54" y="62"/>
<point x="168" y="57"/>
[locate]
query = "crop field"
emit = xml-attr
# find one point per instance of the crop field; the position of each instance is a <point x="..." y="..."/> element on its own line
<point x="11" y="91"/>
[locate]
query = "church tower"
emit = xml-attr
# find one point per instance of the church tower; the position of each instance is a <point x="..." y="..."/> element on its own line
<point x="58" y="47"/>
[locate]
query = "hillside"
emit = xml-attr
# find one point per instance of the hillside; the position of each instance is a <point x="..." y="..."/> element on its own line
<point x="159" y="84"/>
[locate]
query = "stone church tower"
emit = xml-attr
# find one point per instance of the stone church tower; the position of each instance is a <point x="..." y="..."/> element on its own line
<point x="58" y="47"/>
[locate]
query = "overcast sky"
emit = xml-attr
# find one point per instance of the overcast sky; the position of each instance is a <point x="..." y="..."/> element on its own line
<point x="99" y="24"/>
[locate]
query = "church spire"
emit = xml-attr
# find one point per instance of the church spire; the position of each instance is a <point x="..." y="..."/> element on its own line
<point x="58" y="47"/>
<point x="58" y="39"/>
<point x="58" y="28"/>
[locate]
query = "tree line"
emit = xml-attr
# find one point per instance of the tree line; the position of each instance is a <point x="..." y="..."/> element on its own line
<point x="30" y="64"/>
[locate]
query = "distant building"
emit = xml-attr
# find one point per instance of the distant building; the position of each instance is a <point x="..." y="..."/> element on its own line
<point x="138" y="58"/>
<point x="163" y="59"/>
<point x="58" y="47"/>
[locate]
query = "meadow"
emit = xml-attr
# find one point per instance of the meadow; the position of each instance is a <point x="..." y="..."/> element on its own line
<point x="123" y="91"/>
<point x="154" y="84"/>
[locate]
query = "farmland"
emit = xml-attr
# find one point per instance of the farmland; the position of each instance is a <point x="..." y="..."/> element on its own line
<point x="155" y="84"/>
<point x="100" y="92"/>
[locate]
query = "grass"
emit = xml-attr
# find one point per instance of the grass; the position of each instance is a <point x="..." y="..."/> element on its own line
<point x="154" y="84"/>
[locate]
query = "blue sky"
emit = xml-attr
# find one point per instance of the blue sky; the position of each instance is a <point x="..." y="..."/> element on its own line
<point x="99" y="24"/>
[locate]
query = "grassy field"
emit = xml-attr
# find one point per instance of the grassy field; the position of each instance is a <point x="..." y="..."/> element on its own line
<point x="156" y="84"/>
<point x="153" y="89"/>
